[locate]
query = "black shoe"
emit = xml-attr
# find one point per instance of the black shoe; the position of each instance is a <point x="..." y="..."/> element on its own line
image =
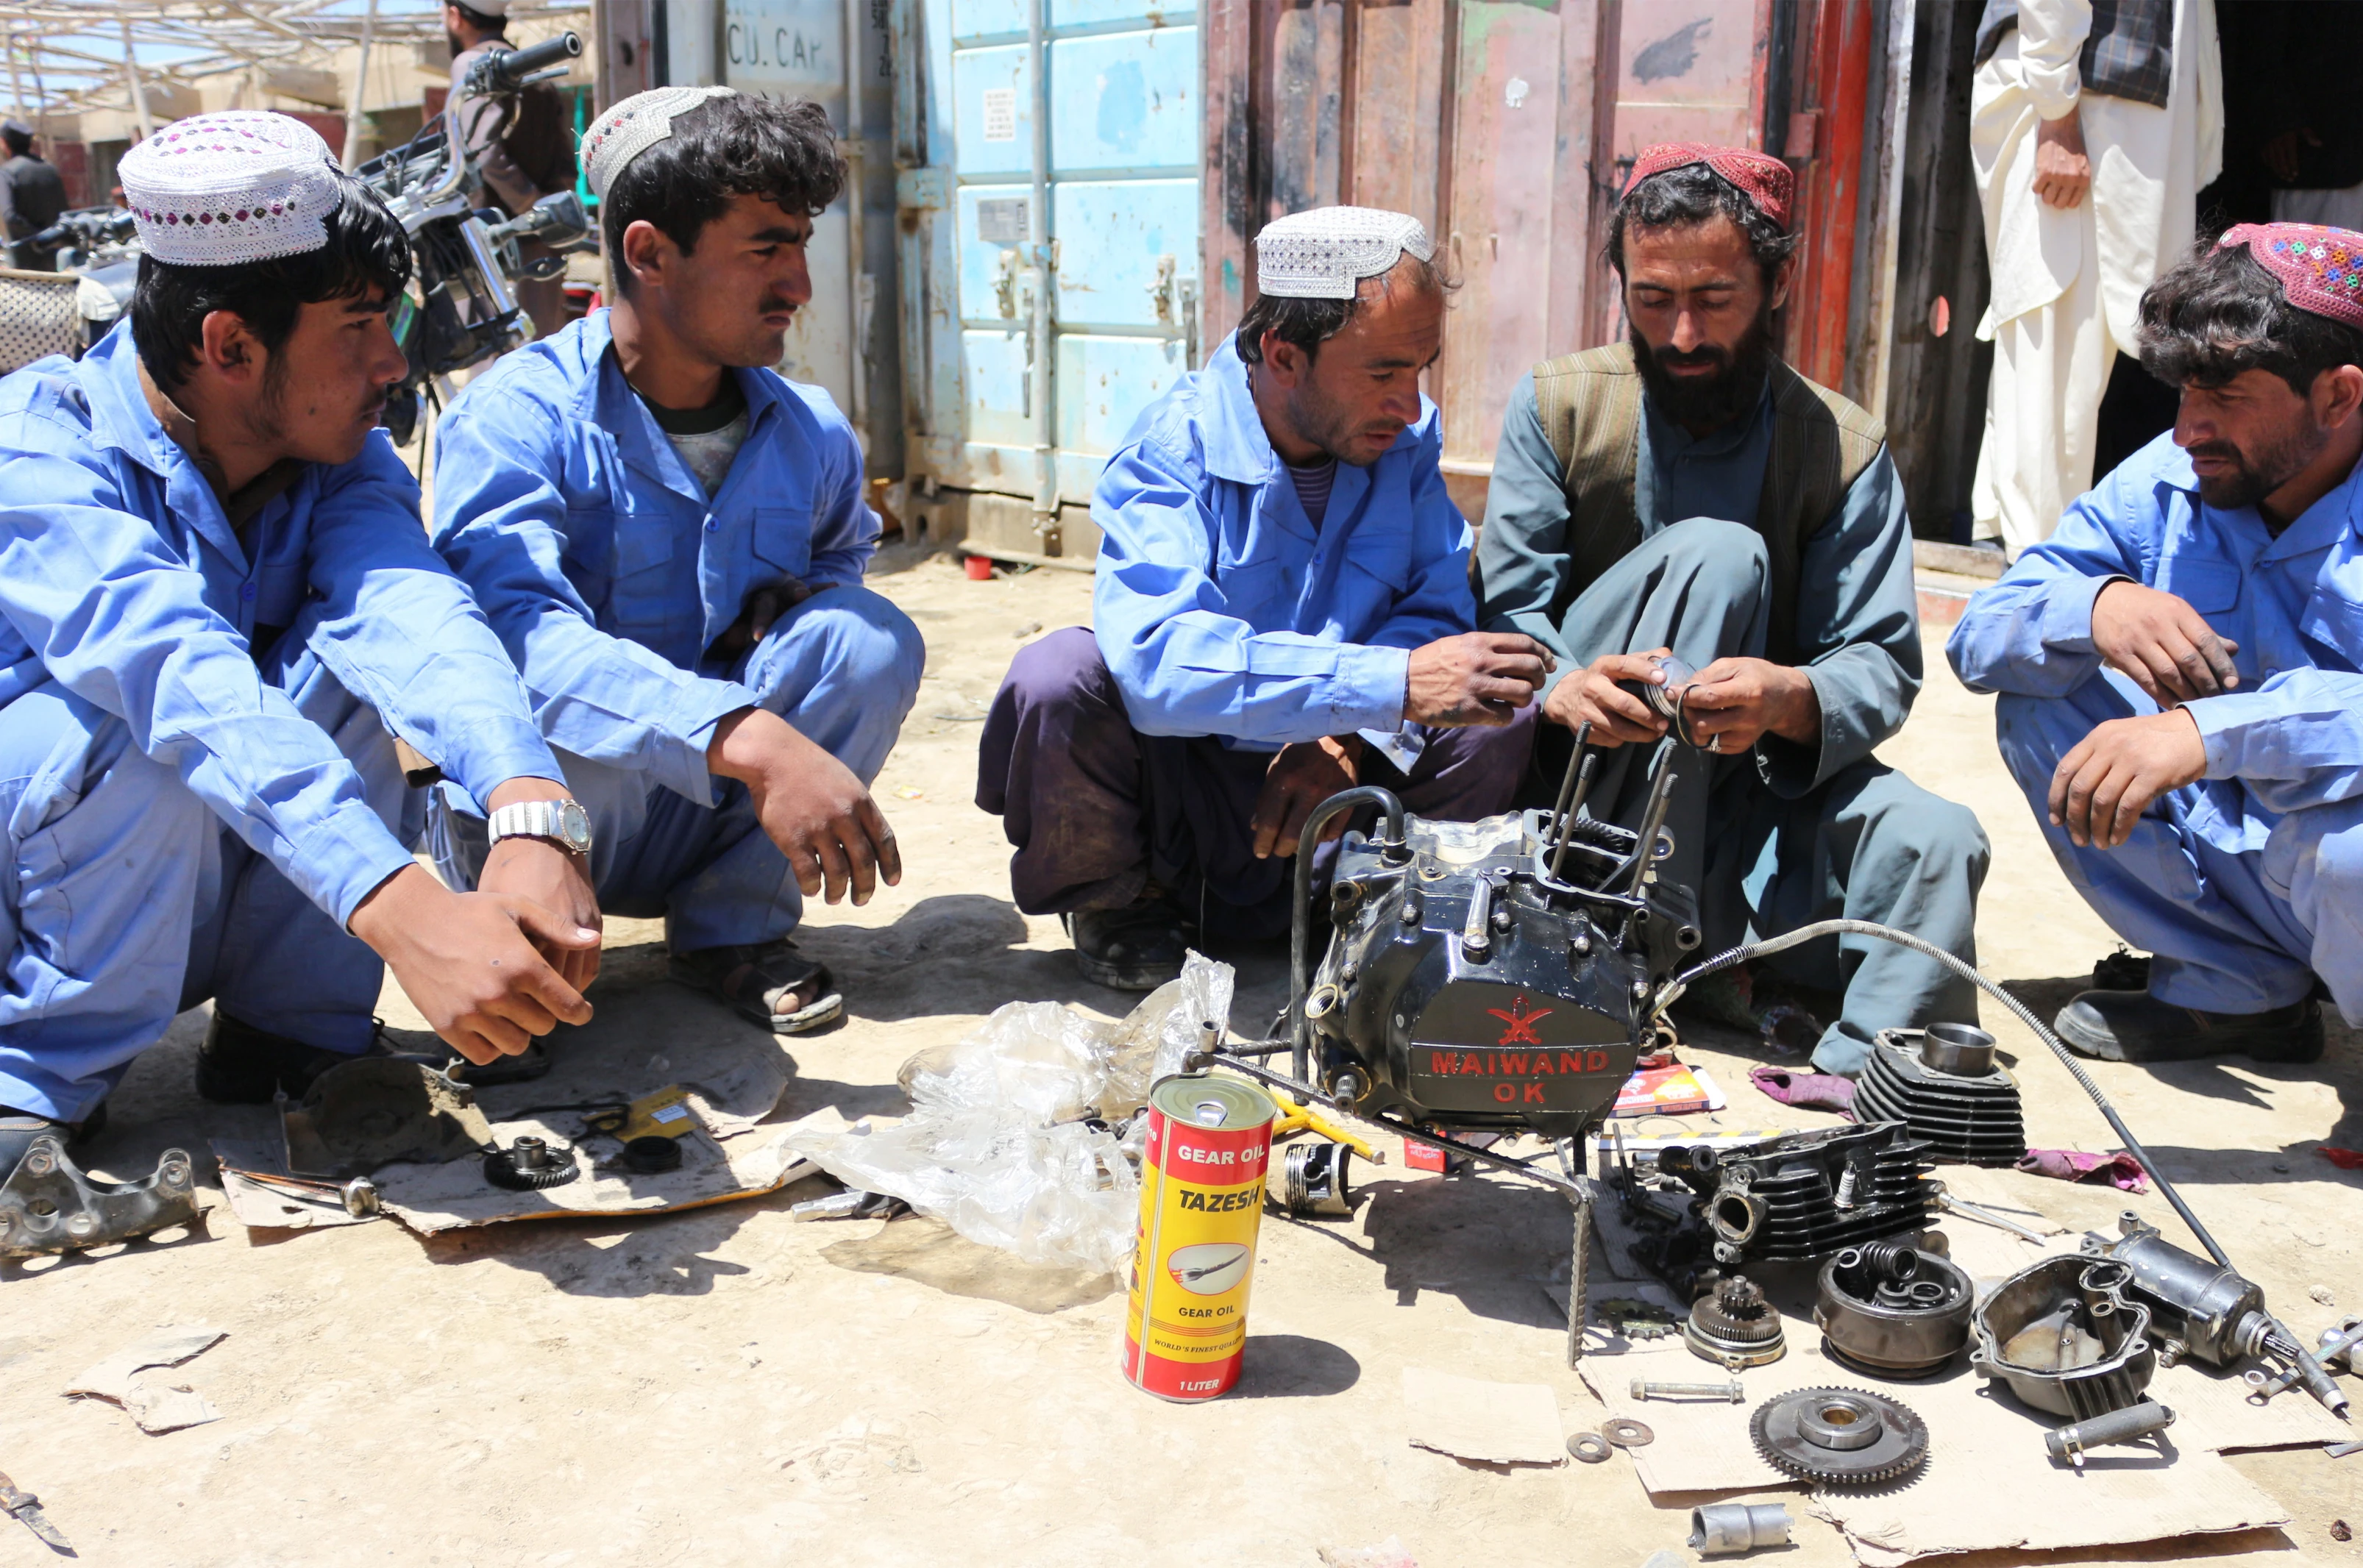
<point x="2134" y="1026"/>
<point x="240" y="1064"/>
<point x="19" y="1128"/>
<point x="1136" y="948"/>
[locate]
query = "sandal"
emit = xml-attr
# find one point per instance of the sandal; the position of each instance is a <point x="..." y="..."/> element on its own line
<point x="769" y="970"/>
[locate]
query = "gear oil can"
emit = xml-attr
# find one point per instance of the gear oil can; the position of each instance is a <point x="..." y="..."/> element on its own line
<point x="1201" y="1180"/>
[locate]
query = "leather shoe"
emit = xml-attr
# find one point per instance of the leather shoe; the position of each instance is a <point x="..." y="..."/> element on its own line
<point x="1136" y="948"/>
<point x="19" y="1128"/>
<point x="240" y="1064"/>
<point x="2134" y="1026"/>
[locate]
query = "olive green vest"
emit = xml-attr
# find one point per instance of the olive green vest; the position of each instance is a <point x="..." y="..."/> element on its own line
<point x="1591" y="409"/>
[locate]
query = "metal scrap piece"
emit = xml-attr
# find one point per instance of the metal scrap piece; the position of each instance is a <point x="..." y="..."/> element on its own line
<point x="25" y="1509"/>
<point x="47" y="1205"/>
<point x="377" y="1110"/>
<point x="1634" y="1319"/>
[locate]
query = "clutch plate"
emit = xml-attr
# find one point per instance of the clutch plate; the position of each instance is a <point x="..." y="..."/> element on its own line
<point x="1847" y="1437"/>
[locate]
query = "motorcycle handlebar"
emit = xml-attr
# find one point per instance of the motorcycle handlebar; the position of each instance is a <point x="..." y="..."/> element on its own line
<point x="505" y="73"/>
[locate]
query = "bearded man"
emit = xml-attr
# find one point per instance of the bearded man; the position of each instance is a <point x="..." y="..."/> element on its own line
<point x="2178" y="665"/>
<point x="1685" y="492"/>
<point x="1282" y="610"/>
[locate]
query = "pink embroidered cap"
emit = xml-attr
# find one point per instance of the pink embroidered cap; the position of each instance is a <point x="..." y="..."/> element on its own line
<point x="241" y="185"/>
<point x="2321" y="269"/>
<point x="1769" y="183"/>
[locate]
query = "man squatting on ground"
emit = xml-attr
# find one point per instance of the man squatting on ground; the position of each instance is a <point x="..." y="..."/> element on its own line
<point x="670" y="539"/>
<point x="1687" y="490"/>
<point x="218" y="610"/>
<point x="2178" y="665"/>
<point x="1282" y="610"/>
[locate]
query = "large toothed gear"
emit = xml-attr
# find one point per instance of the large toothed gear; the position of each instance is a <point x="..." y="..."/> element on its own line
<point x="1842" y="1437"/>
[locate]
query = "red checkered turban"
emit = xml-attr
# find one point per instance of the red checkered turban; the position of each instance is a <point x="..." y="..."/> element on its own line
<point x="1769" y="183"/>
<point x="2321" y="269"/>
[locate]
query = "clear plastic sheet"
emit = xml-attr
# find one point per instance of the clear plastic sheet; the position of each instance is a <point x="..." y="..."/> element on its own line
<point x="996" y="1145"/>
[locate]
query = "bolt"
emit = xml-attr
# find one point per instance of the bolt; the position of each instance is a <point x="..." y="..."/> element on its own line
<point x="1731" y="1390"/>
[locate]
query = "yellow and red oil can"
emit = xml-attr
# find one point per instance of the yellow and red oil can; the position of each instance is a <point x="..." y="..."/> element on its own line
<point x="1201" y="1180"/>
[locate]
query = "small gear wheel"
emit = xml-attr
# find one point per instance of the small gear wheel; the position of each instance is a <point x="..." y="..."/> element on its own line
<point x="1843" y="1437"/>
<point x="1634" y="1319"/>
<point x="530" y="1165"/>
<point x="1733" y="1326"/>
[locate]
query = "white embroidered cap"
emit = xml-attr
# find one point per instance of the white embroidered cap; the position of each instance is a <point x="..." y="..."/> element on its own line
<point x="1323" y="254"/>
<point x="241" y="185"/>
<point x="633" y="126"/>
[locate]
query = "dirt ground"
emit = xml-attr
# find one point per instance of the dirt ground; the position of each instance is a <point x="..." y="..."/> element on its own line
<point x="729" y="1386"/>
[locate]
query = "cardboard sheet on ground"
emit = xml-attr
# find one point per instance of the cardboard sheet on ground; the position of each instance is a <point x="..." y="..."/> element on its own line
<point x="132" y="1377"/>
<point x="1495" y="1423"/>
<point x="734" y="1079"/>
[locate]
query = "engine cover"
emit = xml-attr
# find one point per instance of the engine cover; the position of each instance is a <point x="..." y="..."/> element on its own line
<point x="1465" y="985"/>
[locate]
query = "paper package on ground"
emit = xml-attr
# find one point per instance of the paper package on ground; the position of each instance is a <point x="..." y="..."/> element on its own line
<point x="995" y="1145"/>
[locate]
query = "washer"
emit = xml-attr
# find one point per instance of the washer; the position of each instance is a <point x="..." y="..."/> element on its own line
<point x="1627" y="1432"/>
<point x="1590" y="1447"/>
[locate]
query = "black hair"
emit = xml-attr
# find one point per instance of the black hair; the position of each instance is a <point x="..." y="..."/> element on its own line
<point x="19" y="142"/>
<point x="1688" y="196"/>
<point x="735" y="146"/>
<point x="2220" y="312"/>
<point x="366" y="251"/>
<point x="497" y="27"/>
<point x="1308" y="323"/>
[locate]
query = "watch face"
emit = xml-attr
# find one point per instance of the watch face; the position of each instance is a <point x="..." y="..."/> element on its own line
<point x="574" y="827"/>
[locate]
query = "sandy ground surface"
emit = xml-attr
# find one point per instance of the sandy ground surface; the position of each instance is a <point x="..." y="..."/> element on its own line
<point x="728" y="1386"/>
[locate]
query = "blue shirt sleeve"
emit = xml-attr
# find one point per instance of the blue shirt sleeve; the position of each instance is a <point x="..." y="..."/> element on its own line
<point x="844" y="530"/>
<point x="2294" y="742"/>
<point x="121" y="621"/>
<point x="2031" y="634"/>
<point x="501" y="522"/>
<point x="403" y="636"/>
<point x="1857" y="632"/>
<point x="1185" y="664"/>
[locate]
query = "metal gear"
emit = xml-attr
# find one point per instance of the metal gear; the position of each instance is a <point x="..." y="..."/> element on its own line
<point x="1734" y="1326"/>
<point x="530" y="1165"/>
<point x="1843" y="1437"/>
<point x="1634" y="1319"/>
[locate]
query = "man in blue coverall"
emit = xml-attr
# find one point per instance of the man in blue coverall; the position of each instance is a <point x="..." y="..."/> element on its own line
<point x="1686" y="491"/>
<point x="217" y="611"/>
<point x="670" y="538"/>
<point x="1282" y="610"/>
<point x="2180" y="665"/>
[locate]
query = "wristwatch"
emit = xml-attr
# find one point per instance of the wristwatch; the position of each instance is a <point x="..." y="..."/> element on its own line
<point x="564" y="823"/>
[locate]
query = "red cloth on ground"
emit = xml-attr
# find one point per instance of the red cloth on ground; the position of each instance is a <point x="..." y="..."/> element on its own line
<point x="1769" y="183"/>
<point x="1816" y="1091"/>
<point x="2121" y="1171"/>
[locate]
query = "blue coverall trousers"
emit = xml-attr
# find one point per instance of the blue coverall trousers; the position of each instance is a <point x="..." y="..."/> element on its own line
<point x="843" y="668"/>
<point x="2235" y="930"/>
<point x="124" y="900"/>
<point x="1865" y="843"/>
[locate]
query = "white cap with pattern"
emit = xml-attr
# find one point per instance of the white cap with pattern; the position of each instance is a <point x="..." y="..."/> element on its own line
<point x="241" y="185"/>
<point x="633" y="126"/>
<point x="1325" y="253"/>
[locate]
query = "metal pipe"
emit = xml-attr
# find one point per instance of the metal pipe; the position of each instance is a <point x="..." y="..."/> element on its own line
<point x="1046" y="461"/>
<point x="131" y="79"/>
<point x="353" y="111"/>
<point x="1301" y="915"/>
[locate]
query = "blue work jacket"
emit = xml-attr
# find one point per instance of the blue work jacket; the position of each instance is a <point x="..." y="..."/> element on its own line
<point x="122" y="579"/>
<point x="1222" y="611"/>
<point x="603" y="563"/>
<point x="2291" y="734"/>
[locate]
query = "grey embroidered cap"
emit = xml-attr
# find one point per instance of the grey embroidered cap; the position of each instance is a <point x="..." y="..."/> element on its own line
<point x="1323" y="254"/>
